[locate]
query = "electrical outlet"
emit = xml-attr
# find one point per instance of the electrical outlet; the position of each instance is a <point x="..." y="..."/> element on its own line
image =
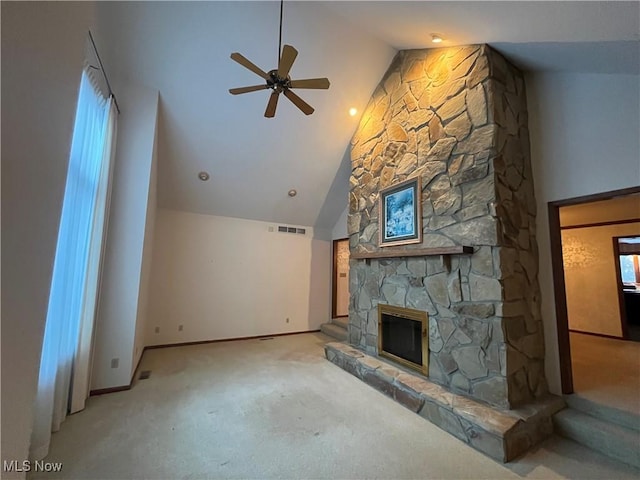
<point x="180" y="328"/>
<point x="115" y="362"/>
<point x="157" y="329"/>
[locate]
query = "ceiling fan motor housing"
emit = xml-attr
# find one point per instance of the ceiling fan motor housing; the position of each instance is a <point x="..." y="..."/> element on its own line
<point x="275" y="81"/>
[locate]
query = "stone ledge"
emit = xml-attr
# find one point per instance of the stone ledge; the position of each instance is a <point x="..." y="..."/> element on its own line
<point x="501" y="434"/>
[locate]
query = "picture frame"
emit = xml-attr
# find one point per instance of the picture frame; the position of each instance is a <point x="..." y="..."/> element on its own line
<point x="400" y="208"/>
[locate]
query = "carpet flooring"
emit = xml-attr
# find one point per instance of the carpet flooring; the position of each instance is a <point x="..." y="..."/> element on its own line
<point x="606" y="371"/>
<point x="262" y="409"/>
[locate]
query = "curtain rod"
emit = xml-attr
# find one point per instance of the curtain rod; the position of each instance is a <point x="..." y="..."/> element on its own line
<point x="104" y="72"/>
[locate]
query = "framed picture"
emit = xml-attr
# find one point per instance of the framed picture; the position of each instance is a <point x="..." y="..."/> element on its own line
<point x="401" y="213"/>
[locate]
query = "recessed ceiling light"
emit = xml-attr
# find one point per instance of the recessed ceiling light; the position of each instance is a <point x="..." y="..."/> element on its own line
<point x="353" y="111"/>
<point x="292" y="192"/>
<point x="435" y="38"/>
<point x="204" y="176"/>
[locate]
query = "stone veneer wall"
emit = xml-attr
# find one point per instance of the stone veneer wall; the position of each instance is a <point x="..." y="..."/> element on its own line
<point x="457" y="117"/>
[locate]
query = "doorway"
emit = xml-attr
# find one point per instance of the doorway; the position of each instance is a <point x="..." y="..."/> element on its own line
<point x="340" y="279"/>
<point x="564" y="329"/>
<point x="626" y="251"/>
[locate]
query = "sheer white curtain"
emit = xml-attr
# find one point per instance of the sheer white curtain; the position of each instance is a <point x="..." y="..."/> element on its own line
<point x="72" y="300"/>
<point x="82" y="362"/>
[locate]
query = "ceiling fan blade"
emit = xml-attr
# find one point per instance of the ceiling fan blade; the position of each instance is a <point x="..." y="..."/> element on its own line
<point x="254" y="88"/>
<point x="270" y="112"/>
<point x="320" y="83"/>
<point x="289" y="55"/>
<point x="247" y="64"/>
<point x="298" y="102"/>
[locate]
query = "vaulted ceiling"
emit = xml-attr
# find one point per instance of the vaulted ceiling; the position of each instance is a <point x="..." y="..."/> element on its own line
<point x="182" y="49"/>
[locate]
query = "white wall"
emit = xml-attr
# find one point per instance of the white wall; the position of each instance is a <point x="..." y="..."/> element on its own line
<point x="224" y="277"/>
<point x="42" y="53"/>
<point x="147" y="259"/>
<point x="122" y="284"/>
<point x="340" y="228"/>
<point x="584" y="140"/>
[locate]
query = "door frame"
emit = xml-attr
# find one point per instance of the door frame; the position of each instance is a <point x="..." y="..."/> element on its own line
<point x="621" y="305"/>
<point x="559" y="286"/>
<point x="621" y="300"/>
<point x="334" y="278"/>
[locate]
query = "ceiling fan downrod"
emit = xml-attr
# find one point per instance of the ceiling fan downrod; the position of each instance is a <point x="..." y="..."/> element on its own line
<point x="280" y="37"/>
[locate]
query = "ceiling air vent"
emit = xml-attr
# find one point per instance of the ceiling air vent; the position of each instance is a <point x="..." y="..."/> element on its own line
<point x="285" y="229"/>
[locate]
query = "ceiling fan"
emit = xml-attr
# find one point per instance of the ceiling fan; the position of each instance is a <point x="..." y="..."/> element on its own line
<point x="278" y="79"/>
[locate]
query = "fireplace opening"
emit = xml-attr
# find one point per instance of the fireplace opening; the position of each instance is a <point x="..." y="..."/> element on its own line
<point x="403" y="336"/>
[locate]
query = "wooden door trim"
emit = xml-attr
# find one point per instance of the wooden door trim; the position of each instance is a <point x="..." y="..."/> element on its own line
<point x="560" y="296"/>
<point x="334" y="278"/>
<point x="557" y="269"/>
<point x="621" y="302"/>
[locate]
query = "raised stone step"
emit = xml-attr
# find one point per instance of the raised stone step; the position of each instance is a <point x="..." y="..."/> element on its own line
<point x="334" y="331"/>
<point x="341" y="322"/>
<point x="500" y="434"/>
<point x="604" y="412"/>
<point x="610" y="439"/>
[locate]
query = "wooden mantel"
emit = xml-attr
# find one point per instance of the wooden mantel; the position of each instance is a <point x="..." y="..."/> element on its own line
<point x="414" y="252"/>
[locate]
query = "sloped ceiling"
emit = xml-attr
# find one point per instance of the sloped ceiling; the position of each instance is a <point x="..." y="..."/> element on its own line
<point x="182" y="49"/>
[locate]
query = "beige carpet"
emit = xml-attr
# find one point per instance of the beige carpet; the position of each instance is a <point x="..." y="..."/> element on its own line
<point x="606" y="370"/>
<point x="277" y="409"/>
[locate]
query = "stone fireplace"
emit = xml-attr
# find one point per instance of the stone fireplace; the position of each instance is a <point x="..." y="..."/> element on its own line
<point x="457" y="119"/>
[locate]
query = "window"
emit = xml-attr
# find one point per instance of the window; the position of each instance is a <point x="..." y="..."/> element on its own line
<point x="64" y="364"/>
<point x="629" y="257"/>
<point x="630" y="268"/>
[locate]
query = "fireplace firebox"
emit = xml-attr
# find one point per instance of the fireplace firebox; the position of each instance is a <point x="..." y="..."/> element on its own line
<point x="403" y="336"/>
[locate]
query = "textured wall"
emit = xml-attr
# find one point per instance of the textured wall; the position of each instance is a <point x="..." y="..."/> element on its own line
<point x="458" y="119"/>
<point x="590" y="276"/>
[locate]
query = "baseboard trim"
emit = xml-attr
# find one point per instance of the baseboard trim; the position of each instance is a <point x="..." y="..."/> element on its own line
<point x="122" y="388"/>
<point x="103" y="391"/>
<point x="593" y="334"/>
<point x="235" y="339"/>
<point x="135" y="370"/>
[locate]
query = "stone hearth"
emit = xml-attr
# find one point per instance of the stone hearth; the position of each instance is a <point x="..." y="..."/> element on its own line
<point x="502" y="435"/>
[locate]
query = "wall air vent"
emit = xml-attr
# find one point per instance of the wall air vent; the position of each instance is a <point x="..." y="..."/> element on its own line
<point x="285" y="229"/>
